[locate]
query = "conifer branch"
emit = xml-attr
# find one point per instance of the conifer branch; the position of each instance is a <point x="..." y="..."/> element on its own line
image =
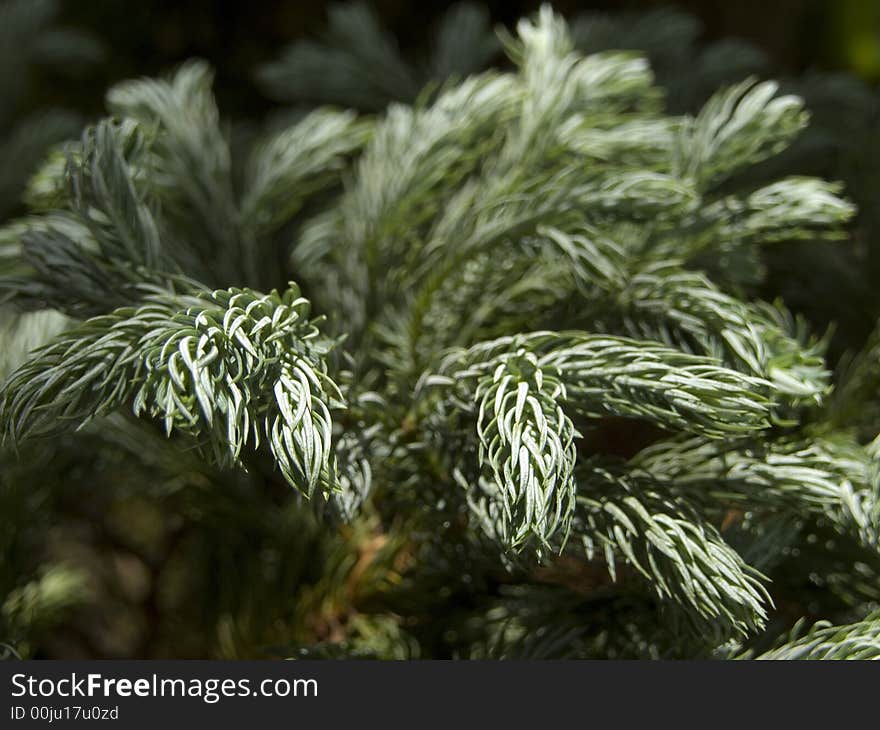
<point x="230" y="367"/>
<point x="527" y="443"/>
<point x="664" y="301"/>
<point x="631" y="517"/>
<point x="856" y="641"/>
<point x="831" y="479"/>
<point x="607" y="375"/>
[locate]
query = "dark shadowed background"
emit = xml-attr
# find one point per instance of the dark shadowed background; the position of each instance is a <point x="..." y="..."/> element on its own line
<point x="236" y="36"/>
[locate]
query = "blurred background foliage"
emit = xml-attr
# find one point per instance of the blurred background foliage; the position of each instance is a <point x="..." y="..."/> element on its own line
<point x="149" y="37"/>
<point x="113" y="550"/>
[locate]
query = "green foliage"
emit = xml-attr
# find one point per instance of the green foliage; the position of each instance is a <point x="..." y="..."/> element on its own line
<point x="357" y="62"/>
<point x="32" y="45"/>
<point x="544" y="409"/>
<point x="230" y="366"/>
<point x="666" y="541"/>
<point x="823" y="641"/>
<point x="30" y="38"/>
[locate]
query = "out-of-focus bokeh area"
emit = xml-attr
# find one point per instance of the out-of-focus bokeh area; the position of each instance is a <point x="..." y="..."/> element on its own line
<point x="129" y="557"/>
<point x="149" y="37"/>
